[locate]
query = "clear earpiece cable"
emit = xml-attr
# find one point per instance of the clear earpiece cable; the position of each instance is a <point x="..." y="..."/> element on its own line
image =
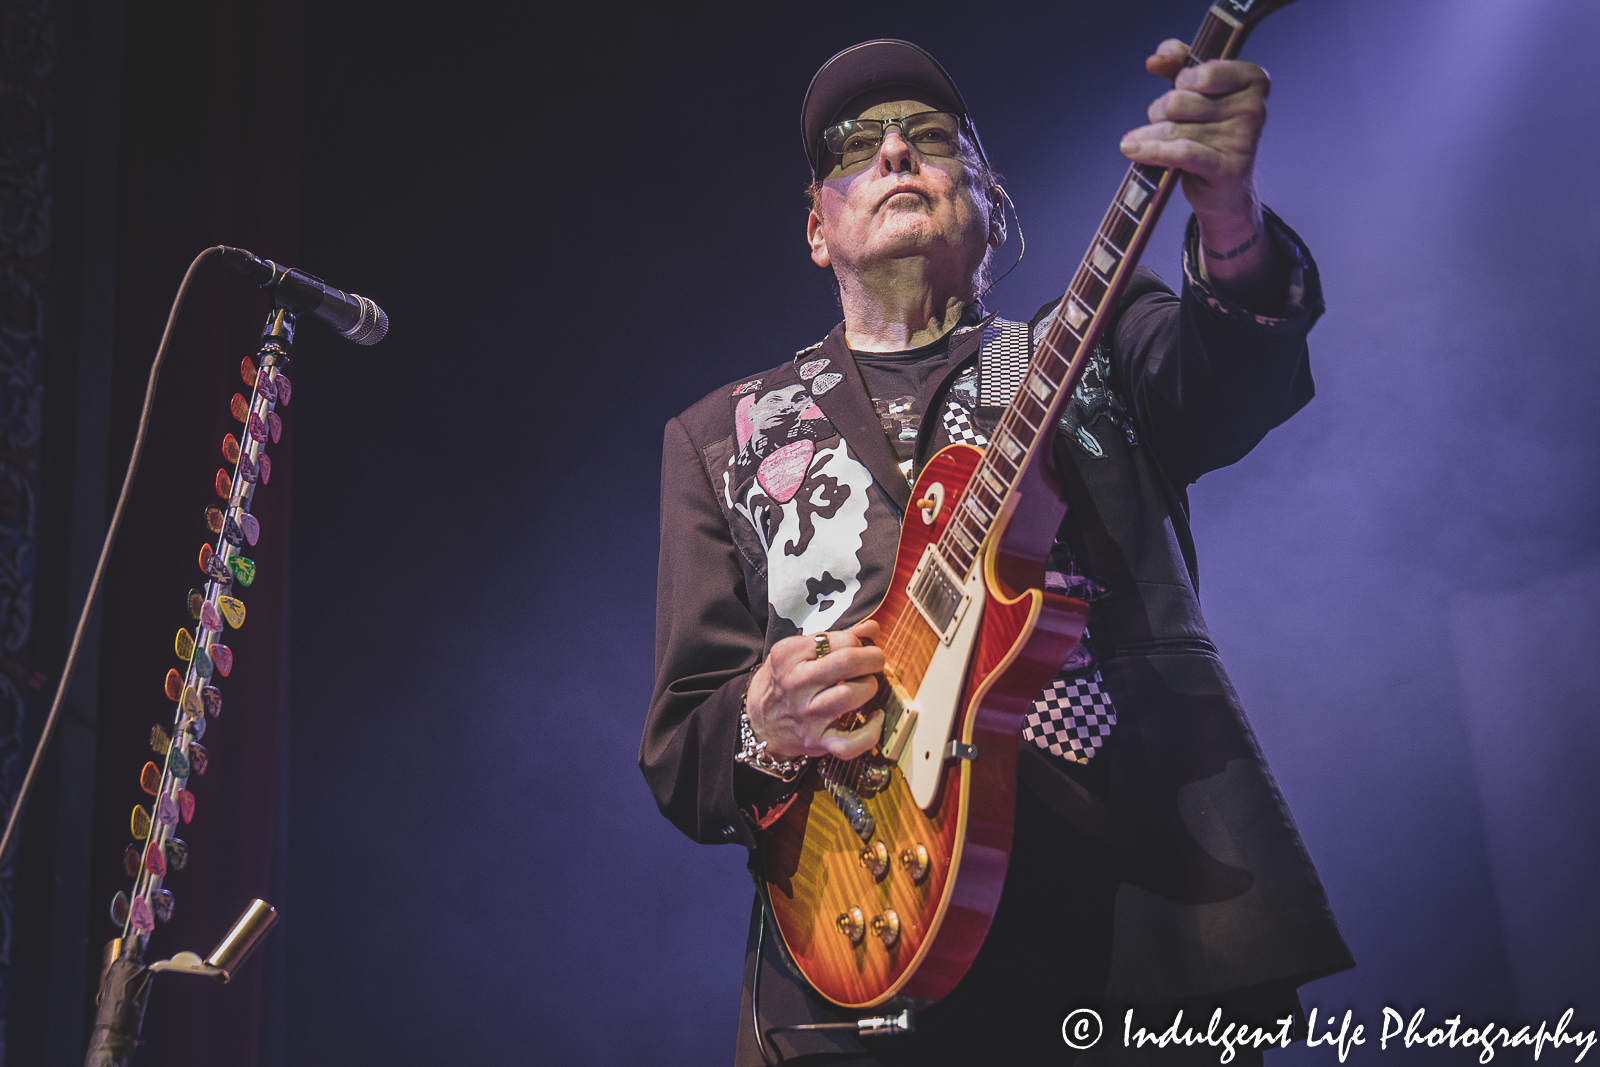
<point x="1020" y="237"/>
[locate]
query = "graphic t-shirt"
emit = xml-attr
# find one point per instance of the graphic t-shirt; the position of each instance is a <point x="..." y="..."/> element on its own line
<point x="897" y="383"/>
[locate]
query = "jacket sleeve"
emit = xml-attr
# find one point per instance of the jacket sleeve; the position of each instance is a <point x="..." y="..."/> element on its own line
<point x="1206" y="378"/>
<point x="707" y="642"/>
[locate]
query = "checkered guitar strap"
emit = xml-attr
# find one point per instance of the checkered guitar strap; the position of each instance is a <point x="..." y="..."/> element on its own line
<point x="1074" y="714"/>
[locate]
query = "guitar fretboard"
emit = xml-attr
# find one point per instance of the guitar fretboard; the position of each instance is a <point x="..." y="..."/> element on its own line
<point x="1076" y="325"/>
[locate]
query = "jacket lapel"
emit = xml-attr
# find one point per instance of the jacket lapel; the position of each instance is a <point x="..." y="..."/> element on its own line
<point x="849" y="408"/>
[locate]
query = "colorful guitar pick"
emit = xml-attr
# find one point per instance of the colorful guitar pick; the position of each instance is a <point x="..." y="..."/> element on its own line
<point x="248" y="472"/>
<point x="161" y="902"/>
<point x="160" y="740"/>
<point x="251" y="527"/>
<point x="132" y="859"/>
<point x="119" y="907"/>
<point x="174" y="684"/>
<point x="150" y="778"/>
<point x="197" y="726"/>
<point x="177" y="855"/>
<point x="183" y="645"/>
<point x="285" y="390"/>
<point x="191" y="701"/>
<point x="199" y="758"/>
<point x="274" y="426"/>
<point x="230" y="448"/>
<point x="155" y="861"/>
<point x="216" y="568"/>
<point x="166" y="810"/>
<point x="223" y="484"/>
<point x="247" y="370"/>
<point x="256" y="428"/>
<point x="231" y="533"/>
<point x="265" y="465"/>
<point x="239" y="408"/>
<point x="139" y="822"/>
<point x="232" y="610"/>
<point x="211" y="699"/>
<point x="214" y="520"/>
<point x="265" y="385"/>
<point x="210" y="617"/>
<point x="201" y="663"/>
<point x="186" y="806"/>
<point x="206" y="552"/>
<point x="178" y="763"/>
<point x="139" y="916"/>
<point x="222" y="656"/>
<point x="197" y="601"/>
<point x="243" y="569"/>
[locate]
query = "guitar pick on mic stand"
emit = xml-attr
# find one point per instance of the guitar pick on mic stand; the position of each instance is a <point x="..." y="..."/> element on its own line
<point x="156" y="852"/>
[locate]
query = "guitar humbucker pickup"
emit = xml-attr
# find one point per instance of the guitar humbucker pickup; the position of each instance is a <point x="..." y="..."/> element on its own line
<point x="938" y="595"/>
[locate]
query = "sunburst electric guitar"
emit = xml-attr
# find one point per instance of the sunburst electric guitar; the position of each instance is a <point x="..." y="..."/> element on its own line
<point x="885" y="871"/>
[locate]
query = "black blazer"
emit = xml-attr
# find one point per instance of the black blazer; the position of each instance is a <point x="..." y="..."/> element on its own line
<point x="1217" y="890"/>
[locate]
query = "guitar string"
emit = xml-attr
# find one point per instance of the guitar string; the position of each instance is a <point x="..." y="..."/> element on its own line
<point x="1111" y="226"/>
<point x="1055" y="368"/>
<point x="1115" y="220"/>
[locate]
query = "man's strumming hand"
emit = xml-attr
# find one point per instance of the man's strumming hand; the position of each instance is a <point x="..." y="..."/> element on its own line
<point x="794" y="697"/>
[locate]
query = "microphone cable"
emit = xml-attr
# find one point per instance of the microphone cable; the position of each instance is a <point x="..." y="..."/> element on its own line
<point x="14" y="818"/>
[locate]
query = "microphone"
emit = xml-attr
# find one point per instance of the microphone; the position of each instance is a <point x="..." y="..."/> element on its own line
<point x="352" y="315"/>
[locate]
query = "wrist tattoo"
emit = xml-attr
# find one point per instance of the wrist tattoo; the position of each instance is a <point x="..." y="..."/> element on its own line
<point x="1240" y="250"/>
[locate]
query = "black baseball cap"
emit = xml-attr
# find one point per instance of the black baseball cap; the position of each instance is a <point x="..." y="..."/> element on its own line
<point x="873" y="65"/>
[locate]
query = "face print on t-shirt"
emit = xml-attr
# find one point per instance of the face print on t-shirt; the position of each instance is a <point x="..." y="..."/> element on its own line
<point x="805" y="498"/>
<point x="771" y="420"/>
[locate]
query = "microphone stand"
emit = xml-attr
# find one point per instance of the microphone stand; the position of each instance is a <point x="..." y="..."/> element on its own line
<point x="125" y="979"/>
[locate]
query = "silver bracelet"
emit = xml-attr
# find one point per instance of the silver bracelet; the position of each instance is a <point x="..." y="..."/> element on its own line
<point x="753" y="753"/>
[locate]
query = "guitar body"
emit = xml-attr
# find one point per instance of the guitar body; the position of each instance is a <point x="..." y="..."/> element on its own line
<point x="826" y="877"/>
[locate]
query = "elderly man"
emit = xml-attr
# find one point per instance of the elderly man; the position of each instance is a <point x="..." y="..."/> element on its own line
<point x="1155" y="865"/>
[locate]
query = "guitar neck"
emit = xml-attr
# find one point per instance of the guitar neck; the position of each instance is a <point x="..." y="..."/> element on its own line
<point x="1079" y="320"/>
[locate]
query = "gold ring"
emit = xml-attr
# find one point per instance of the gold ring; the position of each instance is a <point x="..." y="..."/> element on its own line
<point x="823" y="648"/>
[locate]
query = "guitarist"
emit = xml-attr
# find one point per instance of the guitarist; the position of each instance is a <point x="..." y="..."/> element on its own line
<point x="1155" y="864"/>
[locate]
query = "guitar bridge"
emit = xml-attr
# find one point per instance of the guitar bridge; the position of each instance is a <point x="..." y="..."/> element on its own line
<point x="899" y="723"/>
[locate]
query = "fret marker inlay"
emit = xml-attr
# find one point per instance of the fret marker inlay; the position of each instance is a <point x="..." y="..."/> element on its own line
<point x="1076" y="314"/>
<point x="1008" y="445"/>
<point x="1040" y="388"/>
<point x="1103" y="260"/>
<point x="1134" y="196"/>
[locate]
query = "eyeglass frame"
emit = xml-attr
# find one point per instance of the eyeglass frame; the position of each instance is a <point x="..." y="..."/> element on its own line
<point x="964" y="127"/>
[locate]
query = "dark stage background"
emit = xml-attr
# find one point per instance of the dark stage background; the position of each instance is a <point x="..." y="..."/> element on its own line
<point x="582" y="221"/>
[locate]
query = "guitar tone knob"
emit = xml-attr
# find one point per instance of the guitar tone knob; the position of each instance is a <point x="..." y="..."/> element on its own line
<point x="886" y="926"/>
<point x="914" y="861"/>
<point x="852" y="924"/>
<point x="875" y="858"/>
